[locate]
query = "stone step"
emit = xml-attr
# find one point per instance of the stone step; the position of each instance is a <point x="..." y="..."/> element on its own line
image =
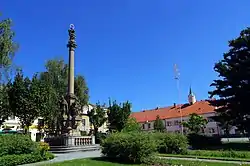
<point x="64" y="149"/>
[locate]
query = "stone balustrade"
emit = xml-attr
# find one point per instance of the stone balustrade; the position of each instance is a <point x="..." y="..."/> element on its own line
<point x="71" y="141"/>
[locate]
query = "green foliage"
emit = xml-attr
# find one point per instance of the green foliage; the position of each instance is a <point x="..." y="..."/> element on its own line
<point x="17" y="149"/>
<point x="97" y="116"/>
<point x="81" y="90"/>
<point x="5" y="111"/>
<point x="232" y="87"/>
<point x="158" y="124"/>
<point x="14" y="160"/>
<point x="201" y="141"/>
<point x="8" y="47"/>
<point x="55" y="79"/>
<point x="129" y="147"/>
<point x="16" y="144"/>
<point x="195" y="123"/>
<point x="118" y="115"/>
<point x="224" y="154"/>
<point x="132" y="126"/>
<point x="171" y="143"/>
<point x="21" y="96"/>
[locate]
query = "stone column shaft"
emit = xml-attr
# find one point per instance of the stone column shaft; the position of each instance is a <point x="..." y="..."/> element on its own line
<point x="71" y="71"/>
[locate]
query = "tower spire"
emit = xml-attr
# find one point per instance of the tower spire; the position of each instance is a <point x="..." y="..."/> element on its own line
<point x="190" y="91"/>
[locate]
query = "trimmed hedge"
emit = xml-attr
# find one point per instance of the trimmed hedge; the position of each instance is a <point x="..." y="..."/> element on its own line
<point x="140" y="147"/>
<point x="129" y="147"/>
<point x="14" y="160"/>
<point x="11" y="144"/>
<point x="17" y="149"/>
<point x="171" y="143"/>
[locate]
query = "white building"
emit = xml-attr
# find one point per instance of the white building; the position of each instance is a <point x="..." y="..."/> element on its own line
<point x="84" y="125"/>
<point x="173" y="115"/>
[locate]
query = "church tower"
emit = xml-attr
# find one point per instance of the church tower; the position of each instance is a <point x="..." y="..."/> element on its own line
<point x="191" y="97"/>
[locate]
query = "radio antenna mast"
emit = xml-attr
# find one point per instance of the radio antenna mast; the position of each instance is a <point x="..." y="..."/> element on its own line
<point x="177" y="78"/>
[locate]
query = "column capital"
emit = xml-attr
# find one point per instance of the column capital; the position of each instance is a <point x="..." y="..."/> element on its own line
<point x="72" y="36"/>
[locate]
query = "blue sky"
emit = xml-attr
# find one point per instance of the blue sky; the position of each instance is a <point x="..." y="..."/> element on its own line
<point x="127" y="48"/>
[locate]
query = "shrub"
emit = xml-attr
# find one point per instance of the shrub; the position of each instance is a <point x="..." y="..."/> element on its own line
<point x="171" y="143"/>
<point x="16" y="144"/>
<point x="43" y="148"/>
<point x="99" y="137"/>
<point x="14" y="160"/>
<point x="203" y="142"/>
<point x="131" y="147"/>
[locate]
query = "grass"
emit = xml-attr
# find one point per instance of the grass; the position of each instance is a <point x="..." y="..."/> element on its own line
<point x="100" y="162"/>
<point x="217" y="155"/>
<point x="206" y="157"/>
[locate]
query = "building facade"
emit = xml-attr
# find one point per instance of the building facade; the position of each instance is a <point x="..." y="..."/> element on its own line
<point x="84" y="125"/>
<point x="172" y="116"/>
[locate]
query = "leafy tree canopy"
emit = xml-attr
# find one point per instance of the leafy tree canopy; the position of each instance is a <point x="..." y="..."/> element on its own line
<point x="97" y="116"/>
<point x="195" y="123"/>
<point x="132" y="126"/>
<point x="232" y="87"/>
<point x="118" y="115"/>
<point x="8" y="47"/>
<point x="158" y="124"/>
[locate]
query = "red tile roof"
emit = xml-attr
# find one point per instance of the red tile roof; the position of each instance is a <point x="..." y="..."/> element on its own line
<point x="200" y="107"/>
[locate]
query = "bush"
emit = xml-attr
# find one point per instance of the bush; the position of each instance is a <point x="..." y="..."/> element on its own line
<point x="203" y="142"/>
<point x="14" y="160"/>
<point x="131" y="147"/>
<point x="16" y="144"/>
<point x="99" y="137"/>
<point x="171" y="143"/>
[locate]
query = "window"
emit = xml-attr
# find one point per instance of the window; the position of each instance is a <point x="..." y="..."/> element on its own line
<point x="176" y="122"/>
<point x="169" y="123"/>
<point x="149" y="125"/>
<point x="143" y="126"/>
<point x="209" y="119"/>
<point x="83" y="122"/>
<point x="211" y="130"/>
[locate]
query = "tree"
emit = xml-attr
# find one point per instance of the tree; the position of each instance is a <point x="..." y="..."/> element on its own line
<point x="195" y="123"/>
<point x="81" y="90"/>
<point x="118" y="115"/>
<point x="21" y="99"/>
<point x="97" y="117"/>
<point x="158" y="124"/>
<point x="132" y="126"/>
<point x="56" y="80"/>
<point x="232" y="87"/>
<point x="8" y="46"/>
<point x="5" y="111"/>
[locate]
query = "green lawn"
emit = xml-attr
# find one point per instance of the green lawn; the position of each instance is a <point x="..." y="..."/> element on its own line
<point x="205" y="157"/>
<point x="96" y="162"/>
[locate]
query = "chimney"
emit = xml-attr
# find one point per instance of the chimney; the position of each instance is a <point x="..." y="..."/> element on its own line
<point x="174" y="105"/>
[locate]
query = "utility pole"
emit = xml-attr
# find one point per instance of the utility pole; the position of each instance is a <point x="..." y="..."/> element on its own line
<point x="177" y="78"/>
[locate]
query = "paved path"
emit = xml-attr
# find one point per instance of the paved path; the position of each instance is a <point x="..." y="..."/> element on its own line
<point x="88" y="154"/>
<point x="205" y="160"/>
<point x="68" y="156"/>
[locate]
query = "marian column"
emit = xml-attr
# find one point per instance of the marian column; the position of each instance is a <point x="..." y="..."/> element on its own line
<point x="71" y="45"/>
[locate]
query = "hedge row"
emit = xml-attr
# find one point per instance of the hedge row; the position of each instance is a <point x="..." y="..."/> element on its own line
<point x="17" y="149"/>
<point x="11" y="144"/>
<point x="14" y="160"/>
<point x="140" y="147"/>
